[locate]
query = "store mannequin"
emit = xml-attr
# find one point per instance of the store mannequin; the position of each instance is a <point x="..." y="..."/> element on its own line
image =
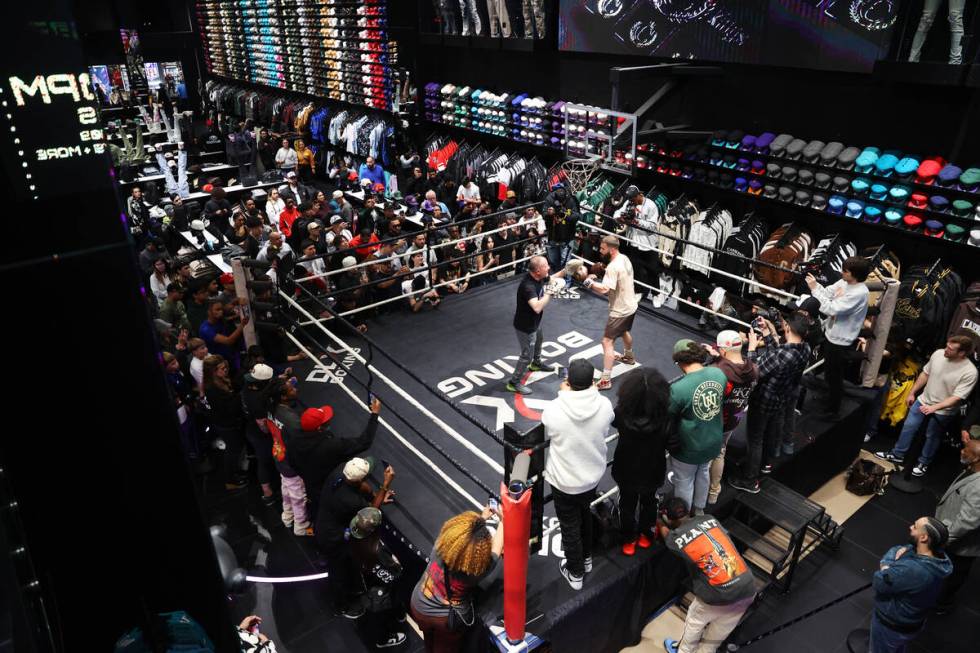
<point x="929" y="10"/>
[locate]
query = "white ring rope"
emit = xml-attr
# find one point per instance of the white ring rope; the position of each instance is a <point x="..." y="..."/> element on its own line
<point x="680" y="299"/>
<point x="286" y="579"/>
<point x="397" y="256"/>
<point x="398" y="436"/>
<point x="476" y="451"/>
<point x="699" y="265"/>
<point x="418" y="292"/>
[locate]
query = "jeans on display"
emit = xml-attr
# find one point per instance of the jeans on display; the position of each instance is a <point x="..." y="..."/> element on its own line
<point x="629" y="526"/>
<point x="179" y="184"/>
<point x="763" y="431"/>
<point x="691" y="482"/>
<point x="173" y="129"/>
<point x="447" y="15"/>
<point x="934" y="433"/>
<point x="961" y="571"/>
<point x="707" y="626"/>
<point x="470" y="16"/>
<point x="499" y="19"/>
<point x="574" y="512"/>
<point x="929" y="10"/>
<point x="530" y="344"/>
<point x="153" y="124"/>
<point x="886" y="640"/>
<point x="534" y="18"/>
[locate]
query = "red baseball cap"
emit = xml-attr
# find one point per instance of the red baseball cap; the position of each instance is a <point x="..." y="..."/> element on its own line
<point x="314" y="418"/>
<point x="226" y="278"/>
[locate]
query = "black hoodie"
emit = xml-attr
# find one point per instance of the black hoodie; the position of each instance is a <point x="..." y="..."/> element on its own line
<point x="315" y="454"/>
<point x="639" y="463"/>
<point x="742" y="377"/>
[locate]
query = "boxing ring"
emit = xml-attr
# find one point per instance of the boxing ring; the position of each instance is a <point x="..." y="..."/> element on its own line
<point x="440" y="375"/>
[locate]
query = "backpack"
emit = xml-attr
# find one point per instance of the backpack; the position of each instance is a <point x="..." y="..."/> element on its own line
<point x="866" y="477"/>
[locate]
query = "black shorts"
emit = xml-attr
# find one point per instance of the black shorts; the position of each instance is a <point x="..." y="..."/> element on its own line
<point x="617" y="326"/>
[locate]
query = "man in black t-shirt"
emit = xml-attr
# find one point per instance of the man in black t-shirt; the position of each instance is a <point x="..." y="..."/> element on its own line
<point x="532" y="296"/>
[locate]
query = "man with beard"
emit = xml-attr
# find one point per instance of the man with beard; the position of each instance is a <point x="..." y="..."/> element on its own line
<point x="642" y="216"/>
<point x="959" y="510"/>
<point x="617" y="284"/>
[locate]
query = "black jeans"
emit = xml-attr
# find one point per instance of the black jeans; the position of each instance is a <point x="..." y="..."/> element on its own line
<point x="646" y="268"/>
<point x="763" y="431"/>
<point x="834" y="357"/>
<point x="234" y="445"/>
<point x="574" y="512"/>
<point x="344" y="582"/>
<point x="629" y="526"/>
<point x="961" y="571"/>
<point x="261" y="444"/>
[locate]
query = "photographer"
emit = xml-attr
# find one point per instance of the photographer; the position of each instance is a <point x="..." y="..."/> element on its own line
<point x="780" y="367"/>
<point x="561" y="218"/>
<point x="845" y="304"/>
<point x="642" y="216"/>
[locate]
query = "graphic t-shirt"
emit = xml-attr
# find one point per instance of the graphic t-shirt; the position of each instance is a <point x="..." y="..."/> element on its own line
<point x="281" y="424"/>
<point x="525" y="319"/>
<point x="430" y="597"/>
<point x="695" y="407"/>
<point x="619" y="279"/>
<point x="719" y="573"/>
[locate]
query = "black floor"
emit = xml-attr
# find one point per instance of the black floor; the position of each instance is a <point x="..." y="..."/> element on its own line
<point x="824" y="575"/>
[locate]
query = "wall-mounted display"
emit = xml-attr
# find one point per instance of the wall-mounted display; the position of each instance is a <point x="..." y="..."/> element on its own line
<point x="830" y="34"/>
<point x="338" y="49"/>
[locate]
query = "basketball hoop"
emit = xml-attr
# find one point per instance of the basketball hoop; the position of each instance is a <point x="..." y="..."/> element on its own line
<point x="578" y="172"/>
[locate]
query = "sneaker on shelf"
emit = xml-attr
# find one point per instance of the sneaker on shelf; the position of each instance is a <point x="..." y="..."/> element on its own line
<point x="643" y="541"/>
<point x="587" y="564"/>
<point x="536" y="367"/>
<point x="889" y="456"/>
<point x="573" y="580"/>
<point x="604" y="384"/>
<point x="744" y="486"/>
<point x="519" y="388"/>
<point x="629" y="548"/>
<point x="670" y="645"/>
<point x="394" y="639"/>
<point x="920" y="470"/>
<point x="766" y="469"/>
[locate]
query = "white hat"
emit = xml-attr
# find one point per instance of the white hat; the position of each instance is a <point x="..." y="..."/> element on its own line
<point x="335" y="219"/>
<point x="197" y="225"/>
<point x="349" y="262"/>
<point x="729" y="339"/>
<point x="291" y="174"/>
<point x="357" y="469"/>
<point x="337" y="194"/>
<point x="365" y="182"/>
<point x="259" y="372"/>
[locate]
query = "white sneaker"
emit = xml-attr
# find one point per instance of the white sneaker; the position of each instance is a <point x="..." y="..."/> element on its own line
<point x="395" y="639"/>
<point x="920" y="470"/>
<point x="574" y="581"/>
<point x="588" y="564"/>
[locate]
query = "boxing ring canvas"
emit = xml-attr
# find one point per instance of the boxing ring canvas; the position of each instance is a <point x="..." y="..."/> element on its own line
<point x="465" y="350"/>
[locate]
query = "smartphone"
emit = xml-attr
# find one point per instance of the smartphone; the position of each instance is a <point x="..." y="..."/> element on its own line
<point x="492" y="504"/>
<point x="562" y="373"/>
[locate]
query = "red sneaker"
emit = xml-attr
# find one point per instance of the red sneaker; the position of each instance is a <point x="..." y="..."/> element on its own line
<point x="643" y="541"/>
<point x="629" y="548"/>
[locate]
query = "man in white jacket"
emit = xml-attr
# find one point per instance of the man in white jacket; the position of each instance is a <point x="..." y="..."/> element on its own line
<point x="576" y="422"/>
<point x="642" y="216"/>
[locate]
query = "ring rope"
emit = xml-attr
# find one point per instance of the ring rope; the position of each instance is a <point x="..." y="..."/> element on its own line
<point x="408" y="445"/>
<point x="479" y="453"/>
<point x="700" y="265"/>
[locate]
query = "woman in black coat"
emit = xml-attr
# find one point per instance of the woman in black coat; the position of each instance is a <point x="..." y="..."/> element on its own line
<point x="639" y="463"/>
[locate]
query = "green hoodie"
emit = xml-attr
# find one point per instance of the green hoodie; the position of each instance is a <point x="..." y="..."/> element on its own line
<point x="695" y="410"/>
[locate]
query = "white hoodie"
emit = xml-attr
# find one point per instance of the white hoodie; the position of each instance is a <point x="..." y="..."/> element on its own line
<point x="577" y="423"/>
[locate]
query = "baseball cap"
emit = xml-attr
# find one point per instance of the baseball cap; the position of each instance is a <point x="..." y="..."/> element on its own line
<point x="728" y="339"/>
<point x="632" y="192"/>
<point x="335" y="219"/>
<point x="365" y="522"/>
<point x="357" y="469"/>
<point x="348" y="262"/>
<point x="684" y="343"/>
<point x="314" y="418"/>
<point x="337" y="194"/>
<point x="291" y="175"/>
<point x="226" y="278"/>
<point x="580" y="374"/>
<point x="259" y="372"/>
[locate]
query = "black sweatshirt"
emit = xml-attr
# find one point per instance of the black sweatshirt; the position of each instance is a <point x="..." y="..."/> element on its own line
<point x="315" y="454"/>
